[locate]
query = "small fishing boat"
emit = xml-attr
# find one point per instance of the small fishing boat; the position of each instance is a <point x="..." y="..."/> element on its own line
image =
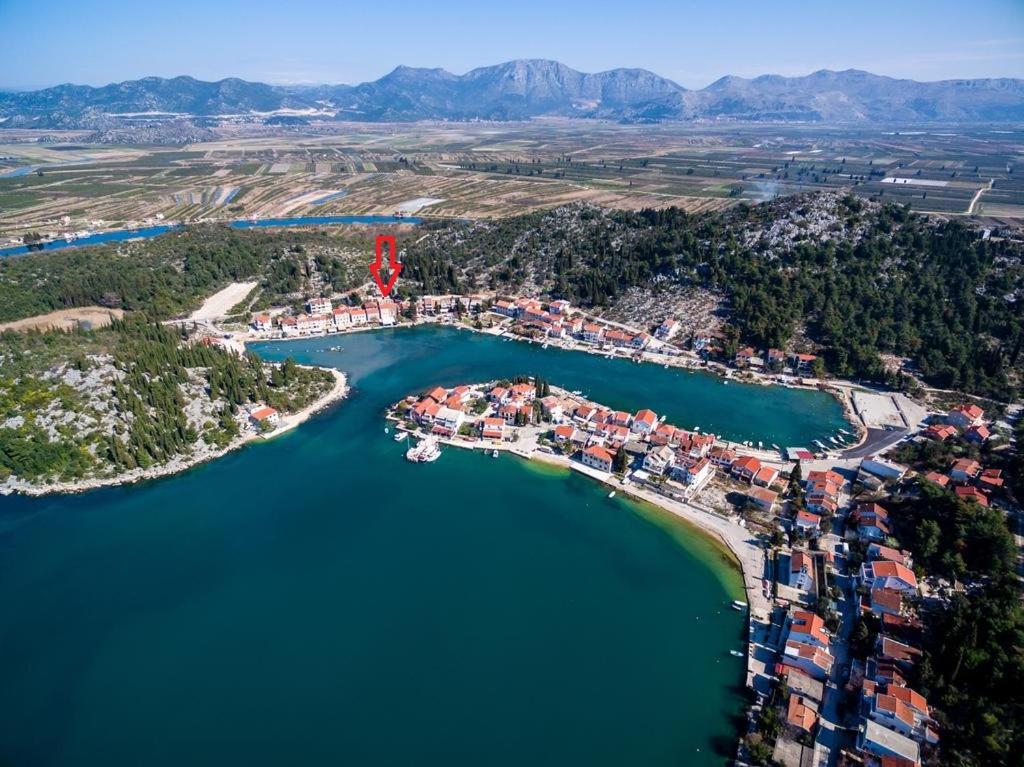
<point x="494" y="453"/>
<point x="736" y="653"/>
<point x="611" y="494"/>
<point x="386" y="431"/>
<point x="401" y="435"/>
<point x="739" y="604"/>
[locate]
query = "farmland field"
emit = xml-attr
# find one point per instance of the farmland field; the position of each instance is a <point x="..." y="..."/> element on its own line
<point x="53" y="183"/>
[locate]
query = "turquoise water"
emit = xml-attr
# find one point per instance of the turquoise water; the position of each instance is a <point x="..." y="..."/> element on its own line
<point x="316" y="599"/>
<point x="119" y="235"/>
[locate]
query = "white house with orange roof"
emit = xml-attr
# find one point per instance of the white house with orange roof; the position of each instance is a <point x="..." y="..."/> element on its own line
<point x="746" y="468"/>
<point x="552" y="408"/>
<point x="667" y="329"/>
<point x="593" y="333"/>
<point x="801" y="571"/>
<point x="262" y="322"/>
<point x="690" y="470"/>
<point x="888" y="575"/>
<point x="492" y="428"/>
<point x="659" y="460"/>
<point x="965" y="416"/>
<point x="598" y="457"/>
<point x="806" y="627"/>
<point x="645" y="421"/>
<point x="358" y="315"/>
<point x="447" y="421"/>
<point x="319" y="305"/>
<point x="813" y="661"/>
<point x="265" y="417"/>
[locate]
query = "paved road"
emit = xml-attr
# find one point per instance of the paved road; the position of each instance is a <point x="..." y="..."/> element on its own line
<point x="878" y="441"/>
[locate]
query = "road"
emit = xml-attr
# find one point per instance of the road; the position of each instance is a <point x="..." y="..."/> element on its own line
<point x="878" y="441"/>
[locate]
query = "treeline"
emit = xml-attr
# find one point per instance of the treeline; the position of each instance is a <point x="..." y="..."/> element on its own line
<point x="934" y="292"/>
<point x="168" y="275"/>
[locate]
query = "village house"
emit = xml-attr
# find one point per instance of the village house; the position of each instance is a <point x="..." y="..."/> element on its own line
<point x="802" y="362"/>
<point x="812" y="660"/>
<point x="659" y="460"/>
<point x="593" y="333"/>
<point x="964" y="470"/>
<point x="388" y="312"/>
<point x="883" y="601"/>
<point x="552" y="409"/>
<point x="618" y="337"/>
<point x="882" y="742"/>
<point x="971" y="493"/>
<point x="877" y="551"/>
<point x="492" y="428"/>
<point x="289" y="326"/>
<point x="597" y="458"/>
<point x="447" y="421"/>
<point x="978" y="434"/>
<point x="424" y="411"/>
<point x="746" y="468"/>
<point x="898" y="653"/>
<point x="561" y="306"/>
<point x="965" y="416"/>
<point x="691" y="471"/>
<point x="265" y="417"/>
<point x="801" y="571"/>
<point x="765" y="476"/>
<point x="939" y="432"/>
<point x="806" y="522"/>
<point x="776" y="358"/>
<point x="888" y="575"/>
<point x="939" y="479"/>
<point x="722" y="457"/>
<point x="499" y="395"/>
<point x="744" y="356"/>
<point x="505" y="308"/>
<point x="523" y="392"/>
<point x="763" y="498"/>
<point x="667" y="329"/>
<point x="262" y="322"/>
<point x="806" y="627"/>
<point x="318" y="306"/>
<point x="644" y="422"/>
<point x="564" y="432"/>
<point x="801" y="713"/>
<point x="358" y="315"/>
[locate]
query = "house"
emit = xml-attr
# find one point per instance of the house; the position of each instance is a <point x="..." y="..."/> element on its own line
<point x="593" y="333"/>
<point x="692" y="472"/>
<point x="645" y="421"/>
<point x="970" y="493"/>
<point x="551" y="407"/>
<point x="663" y="434"/>
<point x="939" y="479"/>
<point x="882" y="469"/>
<point x="802" y="362"/>
<point x="806" y="521"/>
<point x="618" y="337"/>
<point x="262" y="322"/>
<point x="659" y="460"/>
<point x="939" y="432"/>
<point x="289" y="326"/>
<point x="508" y="413"/>
<point x="265" y="417"/>
<point x="801" y="571"/>
<point x="813" y="661"/>
<point x="990" y="479"/>
<point x="506" y="308"/>
<point x="695" y="445"/>
<point x="964" y="470"/>
<point x="597" y="458"/>
<point x="498" y="395"/>
<point x="721" y="457"/>
<point x="523" y="392"/>
<point x="746" y="468"/>
<point x="584" y="413"/>
<point x="978" y="434"/>
<point x="388" y="311"/>
<point x="438" y="394"/>
<point x="828" y="476"/>
<point x="318" y="306"/>
<point x="763" y="498"/>
<point x="765" y="476"/>
<point x="562" y="433"/>
<point x="899" y="654"/>
<point x="801" y="713"/>
<point x="888" y="575"/>
<point x="560" y="306"/>
<point x="667" y="329"/>
<point x="965" y="416"/>
<point x="880" y="741"/>
<point x="877" y="551"/>
<point x="494" y="428"/>
<point x="425" y="410"/>
<point x="807" y="627"/>
<point x="358" y="315"/>
<point x="776" y="358"/>
<point x="883" y="601"/>
<point x="447" y="421"/>
<point x="744" y="356"/>
<point x="621" y="418"/>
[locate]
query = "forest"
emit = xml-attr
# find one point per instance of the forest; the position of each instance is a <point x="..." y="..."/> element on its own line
<point x="933" y="291"/>
<point x="134" y="413"/>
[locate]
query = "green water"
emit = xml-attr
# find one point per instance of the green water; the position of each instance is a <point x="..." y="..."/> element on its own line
<point x="317" y="600"/>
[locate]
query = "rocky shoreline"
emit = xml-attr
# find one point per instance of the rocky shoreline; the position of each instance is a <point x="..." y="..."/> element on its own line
<point x="337" y="393"/>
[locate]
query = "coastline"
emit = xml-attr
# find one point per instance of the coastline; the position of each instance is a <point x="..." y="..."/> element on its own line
<point x="181" y="464"/>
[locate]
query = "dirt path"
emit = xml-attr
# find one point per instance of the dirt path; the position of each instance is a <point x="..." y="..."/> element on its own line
<point x="66" y="319"/>
<point x="220" y="303"/>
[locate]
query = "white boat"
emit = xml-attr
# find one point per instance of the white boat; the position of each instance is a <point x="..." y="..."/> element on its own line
<point x="401" y="435"/>
<point x="739" y="604"/>
<point x="611" y="494"/>
<point x="494" y="453"/>
<point x="425" y="452"/>
<point x="736" y="653"/>
<point x="386" y="430"/>
<point x="545" y="346"/>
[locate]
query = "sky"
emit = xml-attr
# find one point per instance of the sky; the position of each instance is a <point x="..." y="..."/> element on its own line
<point x="95" y="42"/>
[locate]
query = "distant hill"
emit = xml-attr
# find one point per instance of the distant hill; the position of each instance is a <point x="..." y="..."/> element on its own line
<point x="523" y="89"/>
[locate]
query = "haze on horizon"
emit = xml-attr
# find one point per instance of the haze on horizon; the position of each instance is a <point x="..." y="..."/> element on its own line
<point x="96" y="42"/>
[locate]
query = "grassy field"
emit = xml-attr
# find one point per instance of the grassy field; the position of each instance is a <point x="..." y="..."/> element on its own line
<point x="483" y="170"/>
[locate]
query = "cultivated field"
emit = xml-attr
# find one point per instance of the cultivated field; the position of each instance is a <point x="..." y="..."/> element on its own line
<point x="488" y="170"/>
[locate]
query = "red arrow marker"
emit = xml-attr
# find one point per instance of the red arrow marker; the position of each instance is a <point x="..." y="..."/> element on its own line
<point x="393" y="266"/>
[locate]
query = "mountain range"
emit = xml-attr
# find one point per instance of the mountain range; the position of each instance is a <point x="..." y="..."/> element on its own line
<point x="519" y="90"/>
